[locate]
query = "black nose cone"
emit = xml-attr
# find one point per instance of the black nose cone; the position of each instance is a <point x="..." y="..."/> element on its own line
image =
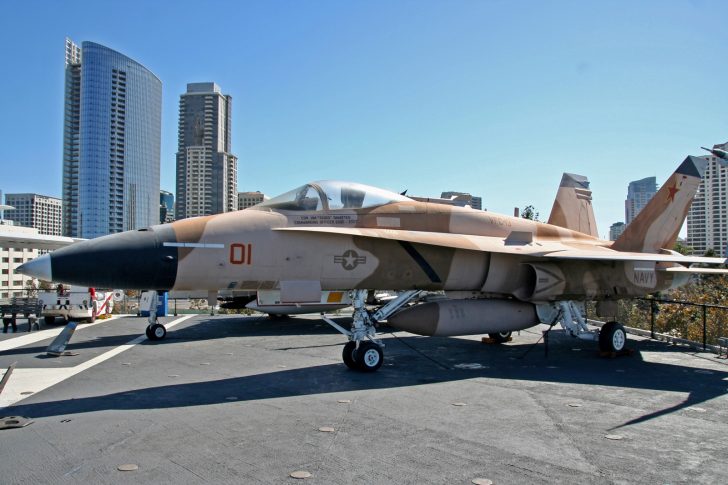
<point x="128" y="260"/>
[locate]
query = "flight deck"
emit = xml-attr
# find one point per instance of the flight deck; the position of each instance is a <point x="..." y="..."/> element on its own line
<point x="245" y="399"/>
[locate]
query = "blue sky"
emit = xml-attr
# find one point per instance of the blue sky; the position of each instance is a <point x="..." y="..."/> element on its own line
<point x="496" y="98"/>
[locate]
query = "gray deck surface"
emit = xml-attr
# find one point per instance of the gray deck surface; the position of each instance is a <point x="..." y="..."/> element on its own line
<point x="241" y="399"/>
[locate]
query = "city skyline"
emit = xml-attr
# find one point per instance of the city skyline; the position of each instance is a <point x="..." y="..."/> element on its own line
<point x="404" y="96"/>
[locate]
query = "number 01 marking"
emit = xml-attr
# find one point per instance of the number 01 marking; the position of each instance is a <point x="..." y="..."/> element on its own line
<point x="241" y="253"/>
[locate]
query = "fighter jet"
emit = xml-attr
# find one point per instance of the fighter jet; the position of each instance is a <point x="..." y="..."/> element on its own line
<point x="498" y="273"/>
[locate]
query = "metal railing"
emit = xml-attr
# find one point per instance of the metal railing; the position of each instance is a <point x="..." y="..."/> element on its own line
<point x="701" y="324"/>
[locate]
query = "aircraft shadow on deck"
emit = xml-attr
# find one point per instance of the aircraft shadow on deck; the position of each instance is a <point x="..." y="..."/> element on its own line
<point x="420" y="361"/>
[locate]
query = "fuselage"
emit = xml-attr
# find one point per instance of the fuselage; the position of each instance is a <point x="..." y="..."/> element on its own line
<point x="250" y="250"/>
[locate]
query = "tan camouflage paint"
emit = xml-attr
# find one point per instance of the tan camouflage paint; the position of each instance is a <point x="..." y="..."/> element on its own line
<point x="444" y="248"/>
<point x="572" y="208"/>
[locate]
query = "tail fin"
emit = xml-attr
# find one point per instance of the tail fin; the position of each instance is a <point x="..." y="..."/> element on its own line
<point x="657" y="225"/>
<point x="573" y="207"/>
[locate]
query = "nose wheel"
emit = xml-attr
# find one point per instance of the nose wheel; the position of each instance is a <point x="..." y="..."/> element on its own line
<point x="156" y="331"/>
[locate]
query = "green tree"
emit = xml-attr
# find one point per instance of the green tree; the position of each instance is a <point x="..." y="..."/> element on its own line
<point x="683" y="248"/>
<point x="530" y="212"/>
<point x="31" y="288"/>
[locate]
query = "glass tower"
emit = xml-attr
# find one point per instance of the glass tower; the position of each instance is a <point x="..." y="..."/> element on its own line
<point x="639" y="194"/>
<point x="112" y="137"/>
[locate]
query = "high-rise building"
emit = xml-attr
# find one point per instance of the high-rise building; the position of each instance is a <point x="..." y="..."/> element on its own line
<point x="207" y="180"/>
<point x="639" y="194"/>
<point x="616" y="230"/>
<point x="166" y="207"/>
<point x="249" y="199"/>
<point x="708" y="215"/>
<point x="463" y="199"/>
<point x="34" y="210"/>
<point x="111" y="142"/>
<point x="13" y="283"/>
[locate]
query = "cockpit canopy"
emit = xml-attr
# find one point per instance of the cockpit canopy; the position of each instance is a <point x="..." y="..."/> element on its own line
<point x="331" y="195"/>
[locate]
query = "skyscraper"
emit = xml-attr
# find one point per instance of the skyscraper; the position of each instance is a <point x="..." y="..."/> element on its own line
<point x="166" y="207"/>
<point x="111" y="142"/>
<point x="616" y="230"/>
<point x="708" y="215"/>
<point x="206" y="168"/>
<point x="34" y="210"/>
<point x="249" y="199"/>
<point x="639" y="194"/>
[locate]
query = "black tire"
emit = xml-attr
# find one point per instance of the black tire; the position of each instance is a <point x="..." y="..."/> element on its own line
<point x="369" y="357"/>
<point x="149" y="332"/>
<point x="500" y="337"/>
<point x="612" y="337"/>
<point x="157" y="331"/>
<point x="49" y="320"/>
<point x="348" y="355"/>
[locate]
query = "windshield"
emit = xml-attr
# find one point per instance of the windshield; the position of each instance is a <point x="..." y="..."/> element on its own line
<point x="331" y="195"/>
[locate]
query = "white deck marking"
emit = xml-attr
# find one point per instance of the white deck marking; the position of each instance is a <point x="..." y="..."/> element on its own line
<point x="34" y="337"/>
<point x="37" y="380"/>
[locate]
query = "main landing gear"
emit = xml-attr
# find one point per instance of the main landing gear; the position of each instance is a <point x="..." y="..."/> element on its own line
<point x="612" y="337"/>
<point x="364" y="352"/>
<point x="155" y="330"/>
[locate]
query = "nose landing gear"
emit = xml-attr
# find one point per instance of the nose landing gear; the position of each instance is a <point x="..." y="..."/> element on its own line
<point x="155" y="330"/>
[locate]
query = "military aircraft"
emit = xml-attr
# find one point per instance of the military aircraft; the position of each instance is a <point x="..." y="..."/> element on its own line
<point x="499" y="273"/>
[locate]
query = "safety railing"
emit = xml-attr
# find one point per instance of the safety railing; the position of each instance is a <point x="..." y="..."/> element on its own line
<point x="702" y="324"/>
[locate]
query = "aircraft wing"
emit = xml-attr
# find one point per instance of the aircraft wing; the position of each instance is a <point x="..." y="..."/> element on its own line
<point x="515" y="244"/>
<point x="10" y="239"/>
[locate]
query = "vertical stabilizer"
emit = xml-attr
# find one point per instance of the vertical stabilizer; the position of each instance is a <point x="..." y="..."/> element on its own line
<point x="573" y="205"/>
<point x="657" y="225"/>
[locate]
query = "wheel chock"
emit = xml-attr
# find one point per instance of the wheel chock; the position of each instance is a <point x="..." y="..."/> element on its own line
<point x="612" y="355"/>
<point x="491" y="341"/>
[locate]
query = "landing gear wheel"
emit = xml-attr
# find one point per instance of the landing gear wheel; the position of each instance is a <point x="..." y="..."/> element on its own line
<point x="500" y="337"/>
<point x="369" y="357"/>
<point x="156" y="332"/>
<point x="612" y="337"/>
<point x="348" y="355"/>
<point x="49" y="320"/>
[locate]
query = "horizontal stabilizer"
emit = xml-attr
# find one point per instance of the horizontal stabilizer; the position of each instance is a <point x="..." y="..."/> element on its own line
<point x="683" y="269"/>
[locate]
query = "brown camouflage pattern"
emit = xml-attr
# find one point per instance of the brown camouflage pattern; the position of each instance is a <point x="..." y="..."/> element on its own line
<point x="446" y="248"/>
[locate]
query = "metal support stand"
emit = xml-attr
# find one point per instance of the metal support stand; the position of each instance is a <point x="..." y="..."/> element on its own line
<point x="58" y="346"/>
<point x="569" y="314"/>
